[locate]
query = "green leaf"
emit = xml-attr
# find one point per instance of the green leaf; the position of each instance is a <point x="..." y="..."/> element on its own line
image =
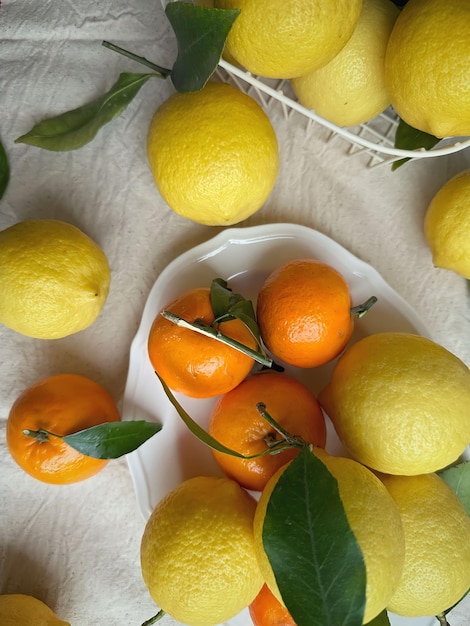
<point x="201" y="33"/>
<point x="227" y="305"/>
<point x="316" y="559"/>
<point x="458" y="478"/>
<point x="112" y="439"/>
<point x="409" y="138"/>
<point x="75" y="128"/>
<point x="4" y="170"/>
<point x="380" y="620"/>
<point x="194" y="427"/>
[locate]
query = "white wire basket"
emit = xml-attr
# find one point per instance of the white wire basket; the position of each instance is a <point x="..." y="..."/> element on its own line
<point x="373" y="140"/>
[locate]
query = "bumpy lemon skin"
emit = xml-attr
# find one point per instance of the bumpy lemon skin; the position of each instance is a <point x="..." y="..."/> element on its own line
<point x="447" y="225"/>
<point x="213" y="154"/>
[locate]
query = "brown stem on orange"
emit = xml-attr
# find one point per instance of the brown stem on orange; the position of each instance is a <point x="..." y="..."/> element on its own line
<point x="288" y="440"/>
<point x="41" y="435"/>
<point x="361" y="309"/>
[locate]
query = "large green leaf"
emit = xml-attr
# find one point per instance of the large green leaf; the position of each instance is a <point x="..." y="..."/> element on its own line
<point x="458" y="478"/>
<point x="112" y="439"/>
<point x="4" y="170"/>
<point x="409" y="138"/>
<point x="316" y="559"/>
<point x="201" y="33"/>
<point x="228" y="305"/>
<point x="75" y="128"/>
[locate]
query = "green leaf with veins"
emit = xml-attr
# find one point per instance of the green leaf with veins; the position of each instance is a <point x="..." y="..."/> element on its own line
<point x="227" y="305"/>
<point x="317" y="562"/>
<point x="201" y="33"/>
<point x="111" y="440"/>
<point x="409" y="138"/>
<point x="77" y="127"/>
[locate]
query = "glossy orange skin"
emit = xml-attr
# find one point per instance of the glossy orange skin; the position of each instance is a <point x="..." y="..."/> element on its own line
<point x="304" y="313"/>
<point x="191" y="363"/>
<point x="266" y="610"/>
<point x="62" y="404"/>
<point x="236" y="423"/>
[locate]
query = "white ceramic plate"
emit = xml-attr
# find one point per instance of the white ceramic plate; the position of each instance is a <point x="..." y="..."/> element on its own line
<point x="244" y="257"/>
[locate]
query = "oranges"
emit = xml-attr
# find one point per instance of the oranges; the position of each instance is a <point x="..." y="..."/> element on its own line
<point x="191" y="363"/>
<point x="304" y="313"/>
<point x="266" y="610"/>
<point x="62" y="404"/>
<point x="236" y="423"/>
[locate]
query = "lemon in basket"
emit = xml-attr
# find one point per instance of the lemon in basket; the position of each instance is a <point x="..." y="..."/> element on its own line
<point x="447" y="225"/>
<point x="287" y="38"/>
<point x="54" y="279"/>
<point x="427" y="66"/>
<point x="213" y="154"/>
<point x="197" y="553"/>
<point x="350" y="89"/>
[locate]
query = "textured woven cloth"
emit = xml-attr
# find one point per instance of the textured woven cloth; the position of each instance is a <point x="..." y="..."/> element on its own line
<point x="77" y="547"/>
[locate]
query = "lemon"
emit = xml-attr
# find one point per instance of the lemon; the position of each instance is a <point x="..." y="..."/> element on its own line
<point x="427" y="66"/>
<point x="197" y="553"/>
<point x="350" y="89"/>
<point x="436" y="571"/>
<point x="399" y="403"/>
<point x="374" y="520"/>
<point x="288" y="38"/>
<point x="447" y="225"/>
<point x="17" y="609"/>
<point x="213" y="154"/>
<point x="54" y="280"/>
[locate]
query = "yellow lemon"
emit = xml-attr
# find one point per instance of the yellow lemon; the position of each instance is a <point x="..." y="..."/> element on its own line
<point x="287" y="38"/>
<point x="17" y="609"/>
<point x="436" y="571"/>
<point x="374" y="520"/>
<point x="350" y="89"/>
<point x="447" y="225"/>
<point x="427" y="66"/>
<point x="54" y="280"/>
<point x="399" y="403"/>
<point x="197" y="553"/>
<point x="213" y="154"/>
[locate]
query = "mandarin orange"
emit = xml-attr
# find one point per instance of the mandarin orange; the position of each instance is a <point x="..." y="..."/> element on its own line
<point x="61" y="404"/>
<point x="266" y="610"/>
<point x="304" y="313"/>
<point x="194" y="364"/>
<point x="236" y="423"/>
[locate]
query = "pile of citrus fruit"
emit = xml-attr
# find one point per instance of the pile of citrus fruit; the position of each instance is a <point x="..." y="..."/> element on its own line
<point x="399" y="405"/>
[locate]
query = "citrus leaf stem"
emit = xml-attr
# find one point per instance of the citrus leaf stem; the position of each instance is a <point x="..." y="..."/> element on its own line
<point x="163" y="71"/>
<point x="41" y="435"/>
<point x="442" y="619"/>
<point x="156" y="618"/>
<point x="108" y="440"/>
<point x="213" y="333"/>
<point x="294" y="441"/>
<point x="361" y="309"/>
<point x="288" y="441"/>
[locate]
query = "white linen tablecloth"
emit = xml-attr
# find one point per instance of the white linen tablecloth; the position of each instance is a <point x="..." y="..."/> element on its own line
<point x="77" y="547"/>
